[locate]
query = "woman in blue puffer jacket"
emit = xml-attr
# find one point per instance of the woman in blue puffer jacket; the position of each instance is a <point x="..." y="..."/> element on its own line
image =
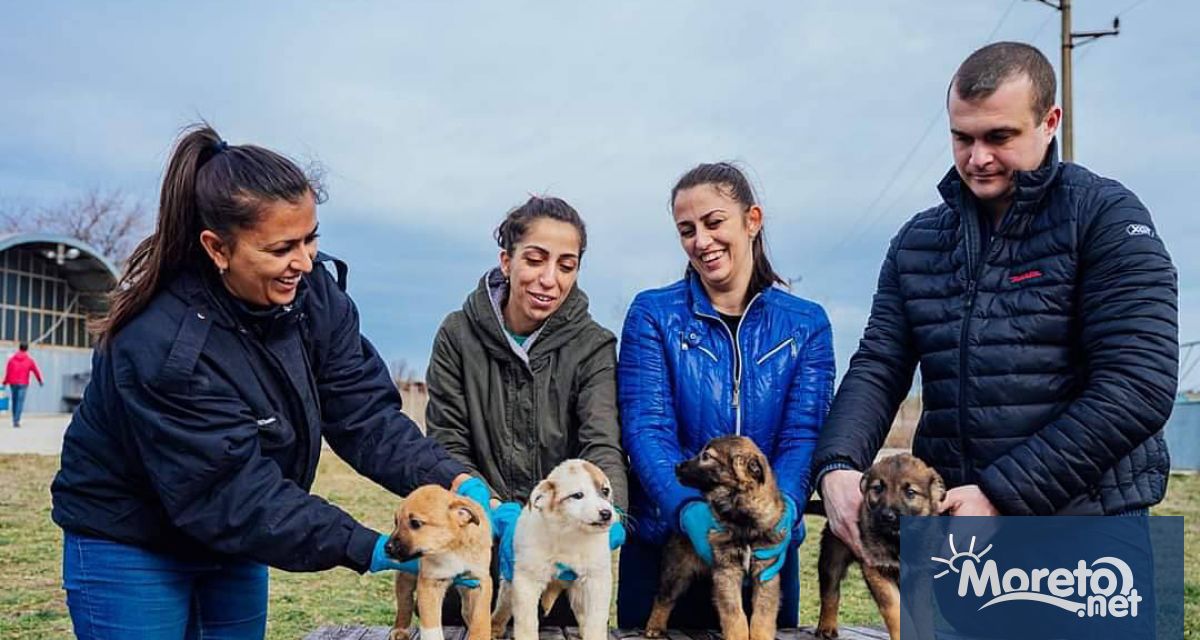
<point x="723" y="351"/>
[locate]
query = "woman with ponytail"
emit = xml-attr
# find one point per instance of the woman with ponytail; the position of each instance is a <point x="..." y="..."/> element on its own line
<point x="229" y="351"/>
<point x="724" y="351"/>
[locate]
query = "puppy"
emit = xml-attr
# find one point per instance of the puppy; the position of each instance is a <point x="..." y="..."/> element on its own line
<point x="451" y="535"/>
<point x="738" y="484"/>
<point x="899" y="485"/>
<point x="566" y="521"/>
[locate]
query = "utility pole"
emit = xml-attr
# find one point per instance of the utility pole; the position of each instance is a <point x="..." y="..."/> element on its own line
<point x="1070" y="40"/>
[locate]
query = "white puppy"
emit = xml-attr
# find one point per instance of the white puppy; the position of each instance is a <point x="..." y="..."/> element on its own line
<point x="566" y="522"/>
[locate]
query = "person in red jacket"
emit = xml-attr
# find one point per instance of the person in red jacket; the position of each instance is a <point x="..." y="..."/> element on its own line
<point x="16" y="377"/>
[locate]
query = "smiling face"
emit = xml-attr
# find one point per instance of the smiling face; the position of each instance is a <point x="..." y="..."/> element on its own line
<point x="261" y="265"/>
<point x="998" y="135"/>
<point x="541" y="268"/>
<point x="717" y="234"/>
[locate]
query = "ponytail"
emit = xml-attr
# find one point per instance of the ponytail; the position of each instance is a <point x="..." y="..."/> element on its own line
<point x="208" y="184"/>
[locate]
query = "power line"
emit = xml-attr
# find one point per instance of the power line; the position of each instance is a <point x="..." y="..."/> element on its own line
<point x="857" y="229"/>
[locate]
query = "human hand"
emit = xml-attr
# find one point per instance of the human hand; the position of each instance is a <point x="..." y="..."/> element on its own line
<point x="968" y="500"/>
<point x="382" y="561"/>
<point x="842" y="493"/>
<point x="616" y="534"/>
<point x="779" y="551"/>
<point x="477" y="490"/>
<point x="504" y="519"/>
<point x="695" y="521"/>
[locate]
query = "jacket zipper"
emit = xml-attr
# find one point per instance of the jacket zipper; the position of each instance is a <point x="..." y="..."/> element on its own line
<point x="975" y="265"/>
<point x="738" y="363"/>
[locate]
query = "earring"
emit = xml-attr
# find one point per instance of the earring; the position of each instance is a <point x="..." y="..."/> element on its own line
<point x="221" y="271"/>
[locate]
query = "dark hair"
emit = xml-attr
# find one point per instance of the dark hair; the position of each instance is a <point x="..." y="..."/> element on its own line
<point x="24" y="346"/>
<point x="517" y="222"/>
<point x="989" y="67"/>
<point x="208" y="184"/>
<point x="726" y="176"/>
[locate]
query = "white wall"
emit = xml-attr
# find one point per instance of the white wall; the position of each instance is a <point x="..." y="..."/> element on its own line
<point x="55" y="363"/>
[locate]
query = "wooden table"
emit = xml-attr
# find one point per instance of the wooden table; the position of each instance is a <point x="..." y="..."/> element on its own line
<point x="571" y="633"/>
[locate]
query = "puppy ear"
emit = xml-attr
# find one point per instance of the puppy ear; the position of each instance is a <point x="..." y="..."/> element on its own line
<point x="754" y="466"/>
<point x="463" y="512"/>
<point x="937" y="489"/>
<point x="862" y="483"/>
<point x="543" y="495"/>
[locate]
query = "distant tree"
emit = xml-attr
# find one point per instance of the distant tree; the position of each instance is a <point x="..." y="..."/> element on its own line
<point x="108" y="220"/>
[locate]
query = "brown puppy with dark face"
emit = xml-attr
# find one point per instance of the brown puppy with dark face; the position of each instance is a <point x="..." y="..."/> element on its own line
<point x="899" y="485"/>
<point x="451" y="535"/>
<point x="738" y="484"/>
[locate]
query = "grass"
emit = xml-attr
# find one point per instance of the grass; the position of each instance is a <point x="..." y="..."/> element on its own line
<point x="32" y="605"/>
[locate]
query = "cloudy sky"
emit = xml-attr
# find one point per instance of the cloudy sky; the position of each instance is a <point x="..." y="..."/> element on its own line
<point x="432" y="119"/>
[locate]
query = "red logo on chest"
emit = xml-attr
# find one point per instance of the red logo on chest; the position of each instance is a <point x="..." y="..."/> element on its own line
<point x="1022" y="277"/>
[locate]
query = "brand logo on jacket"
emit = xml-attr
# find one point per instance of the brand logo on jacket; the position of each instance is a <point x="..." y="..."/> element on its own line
<point x="1139" y="230"/>
<point x="1022" y="277"/>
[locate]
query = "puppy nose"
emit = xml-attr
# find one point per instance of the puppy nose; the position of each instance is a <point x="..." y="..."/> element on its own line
<point x="606" y="514"/>
<point x="390" y="547"/>
<point x="889" y="516"/>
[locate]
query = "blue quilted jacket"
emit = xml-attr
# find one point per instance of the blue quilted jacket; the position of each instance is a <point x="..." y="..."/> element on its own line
<point x="676" y="388"/>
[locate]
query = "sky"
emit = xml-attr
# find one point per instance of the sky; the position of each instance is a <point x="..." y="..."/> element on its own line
<point x="431" y="120"/>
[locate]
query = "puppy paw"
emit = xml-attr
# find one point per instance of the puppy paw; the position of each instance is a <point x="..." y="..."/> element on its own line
<point x="398" y="634"/>
<point x="499" y="631"/>
<point x="653" y="633"/>
<point x="827" y="632"/>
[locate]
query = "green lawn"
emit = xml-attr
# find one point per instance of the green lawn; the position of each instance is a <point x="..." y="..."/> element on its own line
<point x="31" y="600"/>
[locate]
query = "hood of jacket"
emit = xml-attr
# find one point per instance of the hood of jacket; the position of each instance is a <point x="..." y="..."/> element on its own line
<point x="484" y="309"/>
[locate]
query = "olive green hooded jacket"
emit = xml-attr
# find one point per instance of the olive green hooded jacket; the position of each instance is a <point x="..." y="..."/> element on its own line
<point x="512" y="413"/>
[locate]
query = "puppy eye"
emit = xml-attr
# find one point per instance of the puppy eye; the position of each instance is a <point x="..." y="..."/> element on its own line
<point x="578" y="495"/>
<point x="605" y="491"/>
<point x="878" y="488"/>
<point x="413" y="523"/>
<point x="704" y="455"/>
<point x="910" y="493"/>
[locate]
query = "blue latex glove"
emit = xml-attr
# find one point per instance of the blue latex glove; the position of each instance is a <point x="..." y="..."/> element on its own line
<point x="477" y="490"/>
<point x="779" y="551"/>
<point x="616" y="535"/>
<point x="381" y="561"/>
<point x="565" y="573"/>
<point x="695" y="521"/>
<point x="504" y="526"/>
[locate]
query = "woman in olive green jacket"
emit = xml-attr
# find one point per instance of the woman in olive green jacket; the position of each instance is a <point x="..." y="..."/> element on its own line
<point x="522" y="377"/>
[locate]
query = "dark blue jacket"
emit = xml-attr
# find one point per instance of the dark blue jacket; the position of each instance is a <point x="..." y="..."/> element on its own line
<point x="1048" y="358"/>
<point x="200" y="430"/>
<point x="676" y="388"/>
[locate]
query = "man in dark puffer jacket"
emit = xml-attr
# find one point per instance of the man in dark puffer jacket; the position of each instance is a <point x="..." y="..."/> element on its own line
<point x="1041" y="306"/>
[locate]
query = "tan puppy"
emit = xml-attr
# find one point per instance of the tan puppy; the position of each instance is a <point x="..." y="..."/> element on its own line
<point x="736" y="480"/>
<point x="451" y="535"/>
<point x="566" y="521"/>
<point x="899" y="485"/>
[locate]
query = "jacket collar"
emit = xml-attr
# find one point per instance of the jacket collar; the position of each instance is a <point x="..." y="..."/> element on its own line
<point x="204" y="290"/>
<point x="700" y="303"/>
<point x="1030" y="189"/>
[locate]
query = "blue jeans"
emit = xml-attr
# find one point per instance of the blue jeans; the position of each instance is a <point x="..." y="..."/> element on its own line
<point x="17" y="397"/>
<point x="117" y="590"/>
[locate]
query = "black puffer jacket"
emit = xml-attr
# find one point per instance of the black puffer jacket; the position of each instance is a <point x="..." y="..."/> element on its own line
<point x="201" y="428"/>
<point x="1048" y="360"/>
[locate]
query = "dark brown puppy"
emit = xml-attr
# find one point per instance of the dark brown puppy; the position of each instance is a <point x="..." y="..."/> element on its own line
<point x="738" y="484"/>
<point x="899" y="485"/>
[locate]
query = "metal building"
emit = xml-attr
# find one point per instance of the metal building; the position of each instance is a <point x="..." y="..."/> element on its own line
<point x="49" y="286"/>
